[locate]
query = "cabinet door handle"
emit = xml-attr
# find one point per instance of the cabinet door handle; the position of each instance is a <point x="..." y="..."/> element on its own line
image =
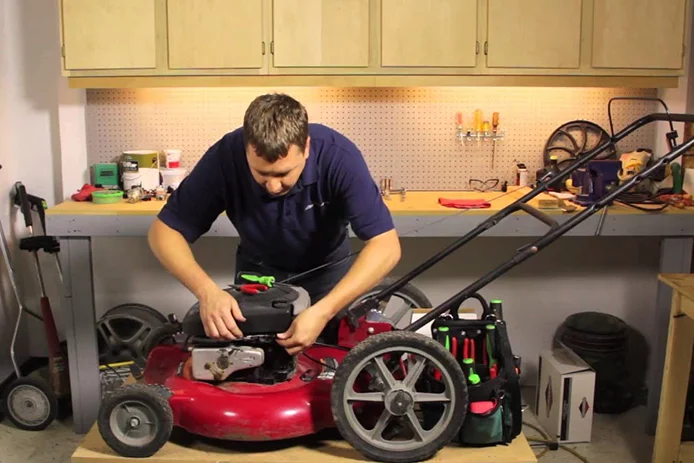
<point x="486" y="48"/>
<point x="263" y="47"/>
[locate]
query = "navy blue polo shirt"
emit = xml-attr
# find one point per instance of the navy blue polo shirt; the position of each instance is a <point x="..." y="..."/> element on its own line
<point x="297" y="231"/>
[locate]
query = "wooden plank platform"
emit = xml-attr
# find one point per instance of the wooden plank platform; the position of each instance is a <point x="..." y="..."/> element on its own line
<point x="184" y="448"/>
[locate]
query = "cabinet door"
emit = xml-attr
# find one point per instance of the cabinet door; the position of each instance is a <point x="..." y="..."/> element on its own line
<point x="320" y="33"/>
<point x="429" y="33"/>
<point x="534" y="33"/>
<point x="638" y="34"/>
<point x="215" y="34"/>
<point x="108" y="34"/>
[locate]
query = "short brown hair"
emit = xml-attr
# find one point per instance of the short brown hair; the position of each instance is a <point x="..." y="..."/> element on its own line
<point x="273" y="123"/>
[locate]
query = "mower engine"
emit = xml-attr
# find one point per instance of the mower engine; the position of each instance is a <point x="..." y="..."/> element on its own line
<point x="255" y="358"/>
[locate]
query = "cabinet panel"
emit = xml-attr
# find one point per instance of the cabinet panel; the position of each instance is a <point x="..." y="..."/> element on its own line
<point x="215" y="34"/>
<point x="429" y="33"/>
<point x="108" y="34"/>
<point x="534" y="33"/>
<point x="321" y="33"/>
<point x="638" y="34"/>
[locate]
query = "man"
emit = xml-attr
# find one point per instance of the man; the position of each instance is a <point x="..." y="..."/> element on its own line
<point x="290" y="188"/>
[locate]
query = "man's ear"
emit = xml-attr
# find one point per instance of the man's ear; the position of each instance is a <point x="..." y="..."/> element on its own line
<point x="307" y="150"/>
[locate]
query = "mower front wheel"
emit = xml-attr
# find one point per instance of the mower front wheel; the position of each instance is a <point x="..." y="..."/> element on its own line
<point x="136" y="420"/>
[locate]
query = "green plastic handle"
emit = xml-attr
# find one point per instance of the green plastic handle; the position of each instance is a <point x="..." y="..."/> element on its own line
<point x="264" y="280"/>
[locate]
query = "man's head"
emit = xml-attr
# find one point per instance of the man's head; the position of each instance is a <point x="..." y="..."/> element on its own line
<point x="275" y="130"/>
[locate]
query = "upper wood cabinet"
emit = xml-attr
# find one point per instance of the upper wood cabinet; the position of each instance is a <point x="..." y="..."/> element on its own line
<point x="534" y="33"/>
<point x="108" y="34"/>
<point x="374" y="42"/>
<point x="215" y="34"/>
<point x="429" y="33"/>
<point x="643" y="34"/>
<point x="320" y="33"/>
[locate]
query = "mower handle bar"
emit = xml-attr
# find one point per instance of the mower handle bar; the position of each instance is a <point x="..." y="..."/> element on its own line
<point x="373" y="302"/>
<point x="538" y="214"/>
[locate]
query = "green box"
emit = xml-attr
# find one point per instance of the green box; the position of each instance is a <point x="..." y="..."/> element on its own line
<point x="105" y="175"/>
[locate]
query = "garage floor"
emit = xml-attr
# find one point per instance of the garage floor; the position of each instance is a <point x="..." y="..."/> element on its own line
<point x="619" y="439"/>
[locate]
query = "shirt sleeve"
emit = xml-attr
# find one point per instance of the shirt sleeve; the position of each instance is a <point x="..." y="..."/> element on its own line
<point x="360" y="197"/>
<point x="200" y="198"/>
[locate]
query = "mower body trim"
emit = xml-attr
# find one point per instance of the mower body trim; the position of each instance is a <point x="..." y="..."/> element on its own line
<point x="248" y="411"/>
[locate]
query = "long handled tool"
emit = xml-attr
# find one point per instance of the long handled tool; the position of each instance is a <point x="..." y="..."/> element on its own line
<point x="556" y="229"/>
<point x="30" y="402"/>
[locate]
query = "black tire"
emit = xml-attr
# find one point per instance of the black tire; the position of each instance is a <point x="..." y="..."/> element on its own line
<point x="125" y="317"/>
<point x="158" y="336"/>
<point x="134" y="308"/>
<point x="154" y="399"/>
<point x="409" y="291"/>
<point x="30" y="403"/>
<point x="399" y="340"/>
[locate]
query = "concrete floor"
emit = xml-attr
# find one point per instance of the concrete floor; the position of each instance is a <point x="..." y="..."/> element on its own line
<point x="618" y="439"/>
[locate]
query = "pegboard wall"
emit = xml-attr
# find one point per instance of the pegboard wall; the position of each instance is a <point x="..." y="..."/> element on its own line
<point x="407" y="134"/>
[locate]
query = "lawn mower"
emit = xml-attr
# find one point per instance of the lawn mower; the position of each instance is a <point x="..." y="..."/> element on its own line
<point x="33" y="396"/>
<point x="394" y="394"/>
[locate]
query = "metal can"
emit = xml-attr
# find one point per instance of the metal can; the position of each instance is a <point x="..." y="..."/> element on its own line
<point x="521" y="175"/>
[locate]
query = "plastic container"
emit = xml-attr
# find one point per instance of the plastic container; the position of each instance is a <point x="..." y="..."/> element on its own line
<point x="173" y="158"/>
<point x="172" y="177"/>
<point x="131" y="179"/>
<point x="107" y="196"/>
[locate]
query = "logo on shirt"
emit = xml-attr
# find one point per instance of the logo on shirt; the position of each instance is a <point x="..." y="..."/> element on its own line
<point x="311" y="206"/>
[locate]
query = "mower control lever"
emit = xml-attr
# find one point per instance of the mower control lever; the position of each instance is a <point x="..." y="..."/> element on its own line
<point x="539" y="215"/>
<point x="362" y="308"/>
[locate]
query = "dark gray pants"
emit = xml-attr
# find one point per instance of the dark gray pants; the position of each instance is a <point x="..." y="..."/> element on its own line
<point x="318" y="284"/>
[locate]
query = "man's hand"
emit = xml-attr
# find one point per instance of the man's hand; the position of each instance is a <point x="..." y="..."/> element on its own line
<point x="219" y="312"/>
<point x="304" y="331"/>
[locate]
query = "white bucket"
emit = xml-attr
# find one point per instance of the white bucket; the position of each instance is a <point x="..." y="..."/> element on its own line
<point x="172" y="177"/>
<point x="147" y="178"/>
<point x="131" y="179"/>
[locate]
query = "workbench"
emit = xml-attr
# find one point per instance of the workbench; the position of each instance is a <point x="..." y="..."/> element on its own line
<point x="676" y="374"/>
<point x="418" y="215"/>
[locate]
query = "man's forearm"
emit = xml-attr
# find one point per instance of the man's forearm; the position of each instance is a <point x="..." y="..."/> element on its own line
<point x="175" y="255"/>
<point x="374" y="262"/>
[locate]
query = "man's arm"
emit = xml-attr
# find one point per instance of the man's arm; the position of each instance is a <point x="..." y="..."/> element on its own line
<point x="379" y="256"/>
<point x="176" y="256"/>
<point x="188" y="214"/>
<point x="372" y="223"/>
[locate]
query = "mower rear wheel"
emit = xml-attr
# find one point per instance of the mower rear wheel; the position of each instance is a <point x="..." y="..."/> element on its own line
<point x="399" y="397"/>
<point x="136" y="420"/>
<point x="30" y="403"/>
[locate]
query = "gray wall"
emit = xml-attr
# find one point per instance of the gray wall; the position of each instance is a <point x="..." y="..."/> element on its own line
<point x="29" y="146"/>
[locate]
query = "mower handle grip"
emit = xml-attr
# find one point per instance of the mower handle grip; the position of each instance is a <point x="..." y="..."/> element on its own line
<point x="539" y="215"/>
<point x="22" y="200"/>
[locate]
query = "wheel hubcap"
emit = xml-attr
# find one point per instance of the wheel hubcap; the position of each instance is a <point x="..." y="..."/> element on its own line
<point x="29" y="405"/>
<point x="399" y="402"/>
<point x="134" y="423"/>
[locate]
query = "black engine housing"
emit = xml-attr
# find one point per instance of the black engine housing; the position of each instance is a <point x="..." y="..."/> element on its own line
<point x="267" y="312"/>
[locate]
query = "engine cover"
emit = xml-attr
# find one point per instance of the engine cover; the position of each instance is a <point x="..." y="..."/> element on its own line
<point x="216" y="364"/>
<point x="268" y="312"/>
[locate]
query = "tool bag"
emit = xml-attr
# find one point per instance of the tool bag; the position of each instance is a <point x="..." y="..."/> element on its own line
<point x="494" y="414"/>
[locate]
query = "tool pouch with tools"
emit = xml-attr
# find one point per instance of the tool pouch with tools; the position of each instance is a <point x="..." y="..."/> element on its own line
<point x="483" y="349"/>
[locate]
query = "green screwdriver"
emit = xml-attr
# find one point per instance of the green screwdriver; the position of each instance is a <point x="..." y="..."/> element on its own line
<point x="447" y="343"/>
<point x="263" y="280"/>
<point x="469" y="369"/>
